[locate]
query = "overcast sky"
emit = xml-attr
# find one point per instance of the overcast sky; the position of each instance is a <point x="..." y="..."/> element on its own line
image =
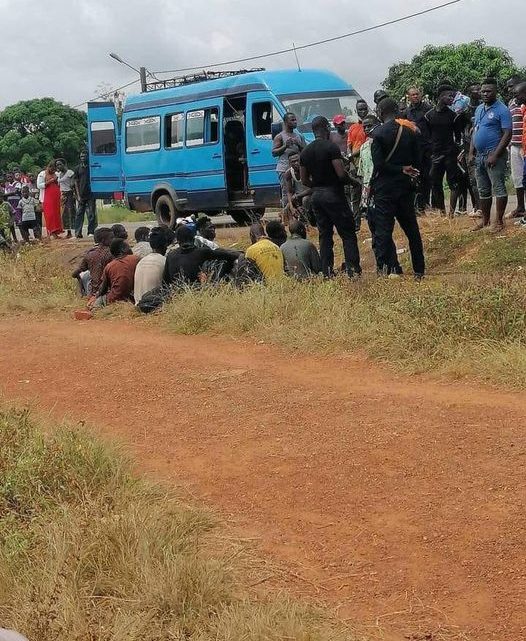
<point x="60" y="49"/>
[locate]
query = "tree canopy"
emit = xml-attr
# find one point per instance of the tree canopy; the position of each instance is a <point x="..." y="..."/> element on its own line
<point x="33" y="132"/>
<point x="462" y="64"/>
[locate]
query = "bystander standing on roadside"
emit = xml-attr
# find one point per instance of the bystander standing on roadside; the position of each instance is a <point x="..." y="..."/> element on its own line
<point x="5" y="221"/>
<point x="323" y="170"/>
<point x="516" y="153"/>
<point x="67" y="198"/>
<point x="444" y="129"/>
<point x="286" y="144"/>
<point x="416" y="111"/>
<point x="521" y="98"/>
<point x="29" y="206"/>
<point x="355" y="139"/>
<point x="85" y="200"/>
<point x="492" y="134"/>
<point x="396" y="157"/>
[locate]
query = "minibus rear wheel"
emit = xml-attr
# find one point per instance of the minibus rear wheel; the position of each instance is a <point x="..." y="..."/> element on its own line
<point x="165" y="211"/>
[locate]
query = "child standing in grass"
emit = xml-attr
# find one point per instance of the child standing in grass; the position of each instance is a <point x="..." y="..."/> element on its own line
<point x="29" y="205"/>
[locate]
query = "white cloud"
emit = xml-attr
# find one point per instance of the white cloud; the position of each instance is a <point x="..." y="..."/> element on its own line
<point x="61" y="49"/>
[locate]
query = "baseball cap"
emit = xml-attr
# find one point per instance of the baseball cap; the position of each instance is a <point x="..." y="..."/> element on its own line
<point x="339" y="119"/>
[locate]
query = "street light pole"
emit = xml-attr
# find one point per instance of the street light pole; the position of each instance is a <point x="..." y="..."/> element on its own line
<point x="141" y="71"/>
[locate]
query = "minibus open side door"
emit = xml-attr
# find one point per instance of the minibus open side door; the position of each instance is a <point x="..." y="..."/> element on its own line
<point x="105" y="151"/>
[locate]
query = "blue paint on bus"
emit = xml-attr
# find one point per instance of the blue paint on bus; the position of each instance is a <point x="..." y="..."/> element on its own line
<point x="206" y="146"/>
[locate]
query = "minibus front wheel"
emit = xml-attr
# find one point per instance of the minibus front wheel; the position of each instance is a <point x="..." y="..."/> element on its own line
<point x="165" y="211"/>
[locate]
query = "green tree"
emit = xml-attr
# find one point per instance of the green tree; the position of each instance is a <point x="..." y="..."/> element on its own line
<point x="33" y="132"/>
<point x="461" y="64"/>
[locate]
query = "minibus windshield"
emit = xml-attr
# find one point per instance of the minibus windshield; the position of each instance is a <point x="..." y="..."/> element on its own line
<point x="307" y="106"/>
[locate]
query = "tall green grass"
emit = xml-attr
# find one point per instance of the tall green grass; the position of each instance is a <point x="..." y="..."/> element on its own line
<point x="89" y="551"/>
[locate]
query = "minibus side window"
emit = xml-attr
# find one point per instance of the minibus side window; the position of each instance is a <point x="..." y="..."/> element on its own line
<point x="174" y="131"/>
<point x="263" y="115"/>
<point x="143" y="134"/>
<point x="202" y="127"/>
<point x="103" y="140"/>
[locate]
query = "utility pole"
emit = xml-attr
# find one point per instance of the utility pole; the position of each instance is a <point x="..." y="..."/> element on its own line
<point x="142" y="74"/>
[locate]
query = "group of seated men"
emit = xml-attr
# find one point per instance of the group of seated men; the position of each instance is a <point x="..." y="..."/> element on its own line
<point x="162" y="262"/>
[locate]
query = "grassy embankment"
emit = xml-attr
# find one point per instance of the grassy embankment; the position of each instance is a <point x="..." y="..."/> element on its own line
<point x="90" y="551"/>
<point x="114" y="214"/>
<point x="467" y="319"/>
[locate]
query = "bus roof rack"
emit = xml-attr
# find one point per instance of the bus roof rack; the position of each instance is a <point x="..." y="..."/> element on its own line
<point x="202" y="76"/>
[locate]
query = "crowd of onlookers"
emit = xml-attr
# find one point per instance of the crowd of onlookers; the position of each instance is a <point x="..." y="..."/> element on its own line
<point x="391" y="164"/>
<point x="57" y="197"/>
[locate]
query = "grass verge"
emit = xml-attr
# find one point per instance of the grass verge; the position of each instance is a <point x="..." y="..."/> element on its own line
<point x="112" y="215"/>
<point x="35" y="280"/>
<point x="89" y="551"/>
<point x="473" y="325"/>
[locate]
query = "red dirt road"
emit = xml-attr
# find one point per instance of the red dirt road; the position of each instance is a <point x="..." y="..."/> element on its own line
<point x="399" y="500"/>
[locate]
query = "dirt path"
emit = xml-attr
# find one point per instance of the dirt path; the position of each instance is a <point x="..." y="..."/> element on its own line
<point x="399" y="500"/>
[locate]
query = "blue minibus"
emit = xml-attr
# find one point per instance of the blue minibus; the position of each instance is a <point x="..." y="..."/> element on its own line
<point x="206" y="145"/>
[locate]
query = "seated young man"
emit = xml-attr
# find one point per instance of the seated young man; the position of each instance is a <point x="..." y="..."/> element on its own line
<point x="265" y="254"/>
<point x="276" y="232"/>
<point x="119" y="275"/>
<point x="184" y="265"/>
<point x="149" y="271"/>
<point x="302" y="258"/>
<point x="119" y="231"/>
<point x="142" y="245"/>
<point x="89" y="272"/>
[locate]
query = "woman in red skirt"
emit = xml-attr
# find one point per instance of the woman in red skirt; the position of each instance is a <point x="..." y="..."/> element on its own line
<point x="51" y="204"/>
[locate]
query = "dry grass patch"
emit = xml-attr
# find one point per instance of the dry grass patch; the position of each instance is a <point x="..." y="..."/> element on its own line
<point x="35" y="280"/>
<point x="88" y="551"/>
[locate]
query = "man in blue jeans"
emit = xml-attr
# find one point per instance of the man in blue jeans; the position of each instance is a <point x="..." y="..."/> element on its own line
<point x="491" y="137"/>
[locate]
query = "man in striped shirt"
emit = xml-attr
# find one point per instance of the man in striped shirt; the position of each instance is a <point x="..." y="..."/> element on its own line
<point x="516" y="152"/>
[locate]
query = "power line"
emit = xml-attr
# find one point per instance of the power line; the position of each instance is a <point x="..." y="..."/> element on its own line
<point x="315" y="44"/>
<point x="107" y="93"/>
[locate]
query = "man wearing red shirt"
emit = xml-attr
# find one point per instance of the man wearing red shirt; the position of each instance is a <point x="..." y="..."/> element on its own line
<point x="118" y="276"/>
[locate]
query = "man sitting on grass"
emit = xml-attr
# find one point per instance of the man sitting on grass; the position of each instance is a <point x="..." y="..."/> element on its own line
<point x="142" y="246"/>
<point x="89" y="272"/>
<point x="184" y="265"/>
<point x="276" y="232"/>
<point x="118" y="277"/>
<point x="119" y="231"/>
<point x="302" y="259"/>
<point x="149" y="272"/>
<point x="265" y="254"/>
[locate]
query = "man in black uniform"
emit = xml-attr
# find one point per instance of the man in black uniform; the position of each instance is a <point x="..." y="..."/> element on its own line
<point x="396" y="159"/>
<point x="322" y="168"/>
<point x="416" y="111"/>
<point x="444" y="128"/>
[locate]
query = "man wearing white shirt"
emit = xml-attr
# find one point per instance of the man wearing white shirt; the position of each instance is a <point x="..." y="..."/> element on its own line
<point x="149" y="270"/>
<point x="66" y="179"/>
